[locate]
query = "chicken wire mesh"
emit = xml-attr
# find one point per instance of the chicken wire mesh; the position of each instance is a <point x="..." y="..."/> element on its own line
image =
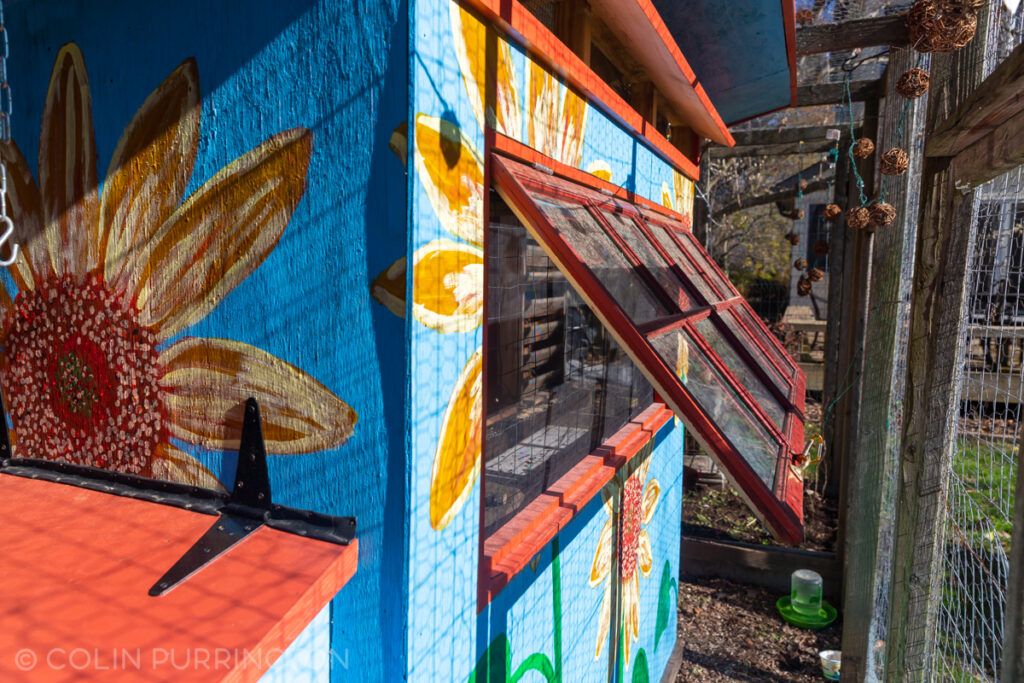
<point x="968" y="640"/>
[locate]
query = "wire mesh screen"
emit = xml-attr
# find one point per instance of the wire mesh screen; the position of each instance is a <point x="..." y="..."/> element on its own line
<point x="969" y="635"/>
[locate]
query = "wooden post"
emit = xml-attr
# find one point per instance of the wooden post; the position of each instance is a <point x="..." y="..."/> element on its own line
<point x="849" y="35"/>
<point x="931" y="404"/>
<point x="573" y="26"/>
<point x="1013" y="632"/>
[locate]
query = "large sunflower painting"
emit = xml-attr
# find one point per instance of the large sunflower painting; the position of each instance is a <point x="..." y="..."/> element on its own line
<point x="94" y="369"/>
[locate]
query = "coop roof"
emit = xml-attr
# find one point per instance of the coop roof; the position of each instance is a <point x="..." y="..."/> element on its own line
<point x="743" y="51"/>
<point x="667" y="303"/>
<point x="78" y="565"/>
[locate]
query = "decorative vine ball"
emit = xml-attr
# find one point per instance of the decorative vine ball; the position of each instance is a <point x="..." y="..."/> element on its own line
<point x="820" y="248"/>
<point x="800" y="264"/>
<point x="858" y="217"/>
<point x="863" y="148"/>
<point x="882" y="214"/>
<point x="803" y="184"/>
<point x="913" y="83"/>
<point x="895" y="161"/>
<point x="805" y="17"/>
<point x="815" y="274"/>
<point x="803" y="286"/>
<point x="832" y="211"/>
<point x="943" y="25"/>
<point x="793" y="238"/>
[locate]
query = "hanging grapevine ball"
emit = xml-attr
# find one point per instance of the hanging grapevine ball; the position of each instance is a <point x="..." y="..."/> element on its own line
<point x="858" y="218"/>
<point x="793" y="238"/>
<point x="863" y="148"/>
<point x="820" y="248"/>
<point x="943" y="25"/>
<point x="805" y="17"/>
<point x="803" y="184"/>
<point x="832" y="211"/>
<point x="800" y="264"/>
<point x="803" y="286"/>
<point x="895" y="161"/>
<point x="815" y="274"/>
<point x="913" y="83"/>
<point x="882" y="214"/>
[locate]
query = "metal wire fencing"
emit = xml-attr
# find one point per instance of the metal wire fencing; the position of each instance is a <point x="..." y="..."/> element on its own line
<point x="968" y="639"/>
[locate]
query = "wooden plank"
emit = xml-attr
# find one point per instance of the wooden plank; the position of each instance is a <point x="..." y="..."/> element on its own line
<point x="999" y="98"/>
<point x="817" y="147"/>
<point x="1000" y="151"/>
<point x="848" y="35"/>
<point x="781" y="136"/>
<point x="757" y="565"/>
<point x="818" y="94"/>
<point x="573" y="27"/>
<point x="758" y="200"/>
<point x="1013" y="636"/>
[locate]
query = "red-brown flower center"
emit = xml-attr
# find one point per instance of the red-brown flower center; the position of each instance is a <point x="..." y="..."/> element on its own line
<point x="632" y="522"/>
<point x="80" y="376"/>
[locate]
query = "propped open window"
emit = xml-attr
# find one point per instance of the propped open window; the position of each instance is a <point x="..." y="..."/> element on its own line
<point x="683" y="323"/>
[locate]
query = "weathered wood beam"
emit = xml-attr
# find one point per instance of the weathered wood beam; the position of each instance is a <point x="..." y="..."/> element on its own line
<point x="812" y="40"/>
<point x="758" y="200"/>
<point x="1000" y="151"/>
<point x="818" y="94"/>
<point x="573" y="21"/>
<point x="997" y="100"/>
<point x="818" y="147"/>
<point x="781" y="136"/>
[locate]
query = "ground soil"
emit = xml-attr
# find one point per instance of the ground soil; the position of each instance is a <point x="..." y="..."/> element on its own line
<point x="731" y="632"/>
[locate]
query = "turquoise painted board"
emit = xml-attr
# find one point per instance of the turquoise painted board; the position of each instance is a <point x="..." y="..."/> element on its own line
<point x="207" y="188"/>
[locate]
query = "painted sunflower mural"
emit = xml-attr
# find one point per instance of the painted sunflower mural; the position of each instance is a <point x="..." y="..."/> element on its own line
<point x="108" y="276"/>
<point x="630" y="504"/>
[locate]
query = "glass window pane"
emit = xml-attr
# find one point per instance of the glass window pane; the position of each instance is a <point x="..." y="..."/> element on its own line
<point x="741" y="370"/>
<point x="757" y="447"/>
<point x="558" y="384"/>
<point x="696" y="280"/>
<point x="599" y="253"/>
<point x="757" y="328"/>
<point x="732" y="322"/>
<point x="631" y="233"/>
<point x="706" y="264"/>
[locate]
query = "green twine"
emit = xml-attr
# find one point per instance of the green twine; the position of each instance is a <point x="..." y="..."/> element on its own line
<point x="852" y="160"/>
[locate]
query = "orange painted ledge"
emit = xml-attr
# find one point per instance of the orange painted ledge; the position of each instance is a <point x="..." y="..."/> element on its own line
<point x="511" y="547"/>
<point x="77" y="565"/>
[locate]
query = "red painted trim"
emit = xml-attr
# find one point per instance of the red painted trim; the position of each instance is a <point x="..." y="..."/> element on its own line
<point x="778" y="515"/>
<point x="517" y="150"/>
<point x="511" y="547"/>
<point x="520" y="26"/>
<point x="789" y="19"/>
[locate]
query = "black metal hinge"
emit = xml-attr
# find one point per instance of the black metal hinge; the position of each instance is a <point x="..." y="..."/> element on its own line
<point x="248" y="507"/>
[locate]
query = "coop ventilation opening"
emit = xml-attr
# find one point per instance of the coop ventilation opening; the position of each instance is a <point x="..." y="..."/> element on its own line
<point x="702" y="347"/>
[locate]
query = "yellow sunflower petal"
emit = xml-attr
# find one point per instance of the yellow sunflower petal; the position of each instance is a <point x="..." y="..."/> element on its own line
<point x="602" y="564"/>
<point x="25" y="208"/>
<point x="206" y="382"/>
<point x="644" y="554"/>
<point x="604" y="619"/>
<point x="574" y="121"/>
<point x="453" y="176"/>
<point x="67" y="166"/>
<point x="542" y="126"/>
<point x="457" y="461"/>
<point x="471" y="37"/>
<point x="651" y="496"/>
<point x="220" y="234"/>
<point x="399" y="142"/>
<point x="631" y="612"/>
<point x="149" y="171"/>
<point x="600" y="169"/>
<point x="172" y="464"/>
<point x="389" y="287"/>
<point x="684" y="193"/>
<point x="448" y="286"/>
<point x="666" y="197"/>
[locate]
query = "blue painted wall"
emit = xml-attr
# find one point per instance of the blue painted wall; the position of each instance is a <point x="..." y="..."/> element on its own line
<point x="337" y="68"/>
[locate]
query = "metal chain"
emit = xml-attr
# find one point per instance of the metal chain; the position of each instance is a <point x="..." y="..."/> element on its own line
<point x="6" y="109"/>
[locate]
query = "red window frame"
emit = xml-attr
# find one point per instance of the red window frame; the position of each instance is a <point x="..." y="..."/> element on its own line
<point x="780" y="503"/>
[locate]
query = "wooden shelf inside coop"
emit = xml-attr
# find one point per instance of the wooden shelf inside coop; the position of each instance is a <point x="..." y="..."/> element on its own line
<point x="77" y="566"/>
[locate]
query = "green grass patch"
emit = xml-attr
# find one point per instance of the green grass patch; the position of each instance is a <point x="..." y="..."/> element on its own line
<point x="989" y="477"/>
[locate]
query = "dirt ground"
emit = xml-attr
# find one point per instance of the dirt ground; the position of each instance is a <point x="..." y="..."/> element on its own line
<point x="732" y="632"/>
